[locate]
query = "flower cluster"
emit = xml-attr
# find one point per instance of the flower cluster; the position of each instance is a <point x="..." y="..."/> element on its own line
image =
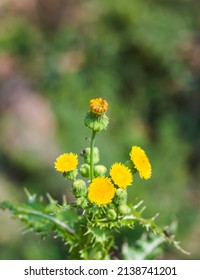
<point x="100" y="207"/>
<point x="103" y="189"/>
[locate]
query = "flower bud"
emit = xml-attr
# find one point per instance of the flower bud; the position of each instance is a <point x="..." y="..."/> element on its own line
<point x="111" y="214"/>
<point x="82" y="202"/>
<point x="123" y="209"/>
<point x="98" y="105"/>
<point x="71" y="174"/>
<point x="96" y="122"/>
<point x="99" y="170"/>
<point x="85" y="170"/>
<point x="86" y="155"/>
<point x="79" y="188"/>
<point x="120" y="196"/>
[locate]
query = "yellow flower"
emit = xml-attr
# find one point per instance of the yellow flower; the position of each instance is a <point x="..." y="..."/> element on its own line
<point x="66" y="162"/>
<point x="121" y="175"/>
<point x="98" y="106"/>
<point x="141" y="162"/>
<point x="101" y="191"/>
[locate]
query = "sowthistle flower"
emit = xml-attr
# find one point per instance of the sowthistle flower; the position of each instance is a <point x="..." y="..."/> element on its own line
<point x="101" y="191"/>
<point x="98" y="106"/>
<point x="66" y="162"/>
<point x="96" y="118"/>
<point x="121" y="175"/>
<point x="141" y="162"/>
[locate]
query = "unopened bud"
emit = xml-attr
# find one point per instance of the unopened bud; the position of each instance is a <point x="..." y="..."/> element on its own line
<point x="96" y="122"/>
<point x="79" y="188"/>
<point x="85" y="170"/>
<point x="99" y="170"/>
<point x="123" y="209"/>
<point x="111" y="214"/>
<point x="120" y="196"/>
<point x="86" y="154"/>
<point x="82" y="202"/>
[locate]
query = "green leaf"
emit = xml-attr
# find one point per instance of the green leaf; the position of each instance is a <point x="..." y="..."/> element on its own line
<point x="44" y="219"/>
<point x="147" y="247"/>
<point x="151" y="226"/>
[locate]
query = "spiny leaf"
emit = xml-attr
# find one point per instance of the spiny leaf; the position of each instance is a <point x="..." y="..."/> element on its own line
<point x="147" y="247"/>
<point x="150" y="225"/>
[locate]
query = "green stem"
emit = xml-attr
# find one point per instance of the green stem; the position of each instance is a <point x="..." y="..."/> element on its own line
<point x="91" y="155"/>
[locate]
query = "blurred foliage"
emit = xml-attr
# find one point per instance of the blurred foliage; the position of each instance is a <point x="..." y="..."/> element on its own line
<point x="143" y="57"/>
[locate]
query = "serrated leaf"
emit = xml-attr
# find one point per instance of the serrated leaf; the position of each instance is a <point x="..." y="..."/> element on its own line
<point x="147" y="247"/>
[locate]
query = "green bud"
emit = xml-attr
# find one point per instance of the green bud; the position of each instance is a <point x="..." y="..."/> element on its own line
<point x="123" y="209"/>
<point x="99" y="170"/>
<point x="82" y="202"/>
<point x="85" y="170"/>
<point x="71" y="174"/>
<point x="111" y="214"/>
<point x="79" y="188"/>
<point x="96" y="122"/>
<point x="86" y="154"/>
<point x="120" y="196"/>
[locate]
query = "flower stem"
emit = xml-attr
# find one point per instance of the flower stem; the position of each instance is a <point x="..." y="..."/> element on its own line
<point x="91" y="155"/>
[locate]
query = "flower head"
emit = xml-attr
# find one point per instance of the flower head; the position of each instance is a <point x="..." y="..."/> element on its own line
<point x="121" y="175"/>
<point x="66" y="162"/>
<point x="98" y="106"/>
<point x="141" y="162"/>
<point x="101" y="191"/>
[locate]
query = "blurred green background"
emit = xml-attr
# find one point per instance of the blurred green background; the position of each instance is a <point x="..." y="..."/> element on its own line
<point x="144" y="58"/>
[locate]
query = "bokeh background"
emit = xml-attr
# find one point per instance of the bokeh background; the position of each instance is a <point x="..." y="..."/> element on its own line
<point x="144" y="58"/>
